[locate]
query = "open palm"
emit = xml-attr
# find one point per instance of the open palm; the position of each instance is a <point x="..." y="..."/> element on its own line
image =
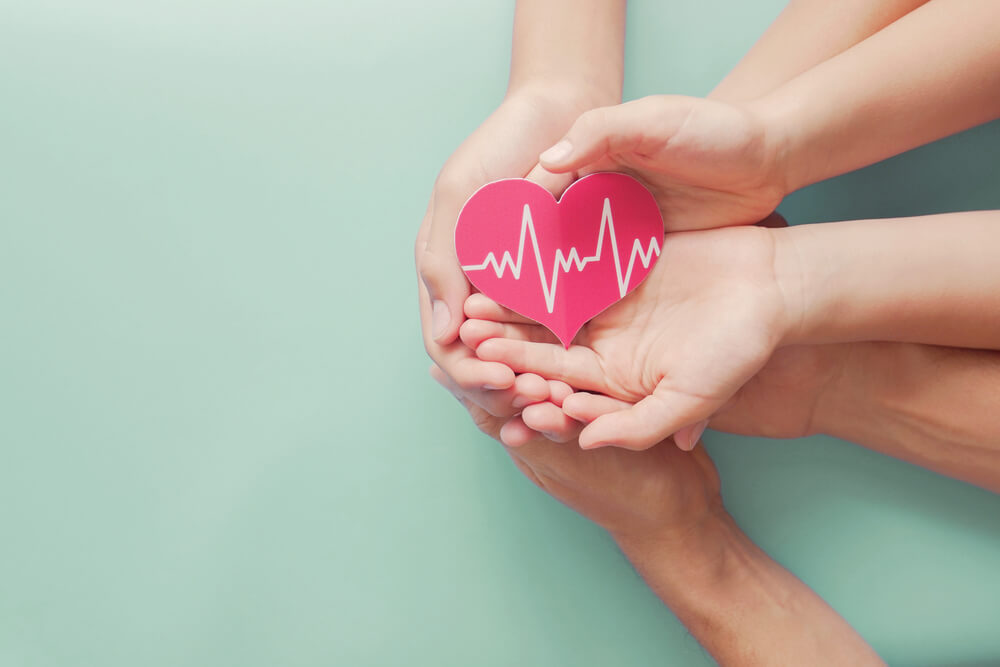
<point x="704" y="322"/>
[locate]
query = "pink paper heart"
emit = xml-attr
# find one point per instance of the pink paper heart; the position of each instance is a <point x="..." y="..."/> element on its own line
<point x="562" y="262"/>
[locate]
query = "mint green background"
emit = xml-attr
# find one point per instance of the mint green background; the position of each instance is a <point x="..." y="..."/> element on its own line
<point x="218" y="441"/>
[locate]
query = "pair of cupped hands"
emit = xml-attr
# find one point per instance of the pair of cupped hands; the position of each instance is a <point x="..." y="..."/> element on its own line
<point x="705" y="338"/>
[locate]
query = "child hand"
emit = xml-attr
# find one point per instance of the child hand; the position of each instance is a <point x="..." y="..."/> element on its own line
<point x="796" y="394"/>
<point x="709" y="164"/>
<point x="704" y="322"/>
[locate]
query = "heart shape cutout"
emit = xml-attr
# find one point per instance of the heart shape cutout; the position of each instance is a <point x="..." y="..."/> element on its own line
<point x="562" y="262"/>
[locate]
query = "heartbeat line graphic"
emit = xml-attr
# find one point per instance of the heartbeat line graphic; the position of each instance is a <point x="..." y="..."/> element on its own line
<point x="565" y="262"/>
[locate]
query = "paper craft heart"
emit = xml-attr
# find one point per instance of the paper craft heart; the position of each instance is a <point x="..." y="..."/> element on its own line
<point x="562" y="262"/>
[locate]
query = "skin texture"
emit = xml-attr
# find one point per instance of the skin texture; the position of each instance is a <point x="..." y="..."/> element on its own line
<point x="707" y="163"/>
<point x="933" y="72"/>
<point x="667" y="348"/>
<point x="555" y="75"/>
<point x="761" y="320"/>
<point x="806" y="33"/>
<point x="663" y="508"/>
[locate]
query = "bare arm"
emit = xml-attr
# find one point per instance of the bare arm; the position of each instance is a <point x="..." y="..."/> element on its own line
<point x="933" y="72"/>
<point x="932" y="406"/>
<point x="569" y="42"/>
<point x="931" y="279"/>
<point x="806" y="33"/>
<point x="741" y="605"/>
<point x="555" y="75"/>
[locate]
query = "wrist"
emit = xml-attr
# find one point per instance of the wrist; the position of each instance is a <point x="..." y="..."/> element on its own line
<point x="694" y="554"/>
<point x="567" y="95"/>
<point x="777" y="119"/>
<point x="791" y="266"/>
<point x="705" y="575"/>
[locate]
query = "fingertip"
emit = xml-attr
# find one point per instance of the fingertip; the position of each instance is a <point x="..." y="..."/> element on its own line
<point x="514" y="433"/>
<point x="559" y="391"/>
<point x="479" y="306"/>
<point x="499" y="377"/>
<point x="473" y="332"/>
<point x="687" y="438"/>
<point x="556" y="158"/>
<point x="574" y="404"/>
<point x="530" y="388"/>
<point x="490" y="350"/>
<point x="555" y="183"/>
<point x="604" y="432"/>
<point x="537" y="416"/>
<point x="444" y="327"/>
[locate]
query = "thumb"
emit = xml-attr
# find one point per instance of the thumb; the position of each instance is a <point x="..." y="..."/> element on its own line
<point x="650" y="421"/>
<point x="554" y="183"/>
<point x="642" y="125"/>
<point x="446" y="285"/>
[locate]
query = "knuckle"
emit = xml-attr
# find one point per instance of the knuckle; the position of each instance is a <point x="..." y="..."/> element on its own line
<point x="592" y="121"/>
<point x="450" y="186"/>
<point x="431" y="266"/>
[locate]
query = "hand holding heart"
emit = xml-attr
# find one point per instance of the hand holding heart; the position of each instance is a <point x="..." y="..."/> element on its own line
<point x="708" y="164"/>
<point x="706" y="320"/>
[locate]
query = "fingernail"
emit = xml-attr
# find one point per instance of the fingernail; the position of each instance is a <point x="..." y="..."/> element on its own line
<point x="696" y="433"/>
<point x="492" y="387"/>
<point x="521" y="402"/>
<point x="557" y="153"/>
<point x="595" y="445"/>
<point x="440" y="317"/>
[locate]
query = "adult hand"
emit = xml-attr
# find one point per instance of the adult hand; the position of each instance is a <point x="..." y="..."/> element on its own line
<point x="505" y="145"/>
<point x="658" y="494"/>
<point x="664" y="509"/>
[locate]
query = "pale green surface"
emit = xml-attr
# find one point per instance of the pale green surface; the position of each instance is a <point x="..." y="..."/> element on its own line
<point x="218" y="450"/>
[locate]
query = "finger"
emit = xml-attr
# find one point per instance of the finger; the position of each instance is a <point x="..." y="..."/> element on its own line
<point x="527" y="389"/>
<point x="487" y="423"/>
<point x="458" y="361"/>
<point x="549" y="420"/>
<point x="687" y="438"/>
<point x="437" y="264"/>
<point x="514" y="433"/>
<point x="654" y="418"/>
<point x="442" y="379"/>
<point x="481" y="307"/>
<point x="474" y="332"/>
<point x="471" y="374"/>
<point x="554" y="183"/>
<point x="639" y="126"/>
<point x="559" y="391"/>
<point x="586" y="407"/>
<point x="578" y="366"/>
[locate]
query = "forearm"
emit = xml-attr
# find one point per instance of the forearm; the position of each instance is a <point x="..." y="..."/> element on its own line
<point x="569" y="43"/>
<point x="743" y="607"/>
<point x="806" y="33"/>
<point x="932" y="279"/>
<point x="932" y="406"/>
<point x="929" y="74"/>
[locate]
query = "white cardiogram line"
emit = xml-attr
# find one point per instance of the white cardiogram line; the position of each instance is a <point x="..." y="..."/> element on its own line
<point x="566" y="262"/>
